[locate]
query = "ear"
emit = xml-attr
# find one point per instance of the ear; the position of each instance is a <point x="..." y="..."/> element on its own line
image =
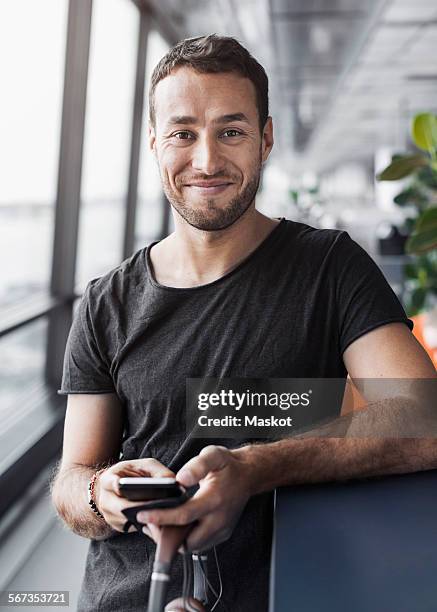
<point x="152" y="139"/>
<point x="267" y="139"/>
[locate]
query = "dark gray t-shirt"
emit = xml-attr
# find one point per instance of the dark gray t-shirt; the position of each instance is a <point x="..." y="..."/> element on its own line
<point x="289" y="310"/>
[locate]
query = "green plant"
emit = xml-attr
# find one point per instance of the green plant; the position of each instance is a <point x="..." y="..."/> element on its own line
<point x="421" y="196"/>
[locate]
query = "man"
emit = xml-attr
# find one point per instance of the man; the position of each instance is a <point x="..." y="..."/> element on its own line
<point x="230" y="292"/>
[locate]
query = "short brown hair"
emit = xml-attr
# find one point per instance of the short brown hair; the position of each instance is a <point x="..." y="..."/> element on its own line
<point x="210" y="54"/>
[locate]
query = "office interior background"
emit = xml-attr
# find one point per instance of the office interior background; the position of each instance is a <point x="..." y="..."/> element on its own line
<point x="80" y="191"/>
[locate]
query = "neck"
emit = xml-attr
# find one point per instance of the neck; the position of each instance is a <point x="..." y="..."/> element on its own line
<point x="191" y="257"/>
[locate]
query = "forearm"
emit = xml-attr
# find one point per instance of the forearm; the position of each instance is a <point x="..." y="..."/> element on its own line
<point x="69" y="495"/>
<point x="395" y="417"/>
<point x="389" y="437"/>
<point x="311" y="460"/>
<point x="392" y="436"/>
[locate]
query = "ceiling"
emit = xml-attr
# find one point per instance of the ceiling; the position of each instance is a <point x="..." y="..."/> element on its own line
<point x="345" y="75"/>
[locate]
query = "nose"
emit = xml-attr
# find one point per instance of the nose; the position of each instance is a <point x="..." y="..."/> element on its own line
<point x="206" y="156"/>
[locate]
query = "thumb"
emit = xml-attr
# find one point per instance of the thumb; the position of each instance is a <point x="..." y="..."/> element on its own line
<point x="148" y="467"/>
<point x="210" y="459"/>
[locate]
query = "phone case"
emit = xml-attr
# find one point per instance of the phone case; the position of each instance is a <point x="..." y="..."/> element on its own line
<point x="131" y="513"/>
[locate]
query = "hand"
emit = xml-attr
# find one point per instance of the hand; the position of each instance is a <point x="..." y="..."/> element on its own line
<point x="109" y="500"/>
<point x="224" y="481"/>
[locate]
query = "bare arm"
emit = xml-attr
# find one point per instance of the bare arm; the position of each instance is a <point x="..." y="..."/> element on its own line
<point x="390" y="351"/>
<point x="70" y="499"/>
<point x="92" y="437"/>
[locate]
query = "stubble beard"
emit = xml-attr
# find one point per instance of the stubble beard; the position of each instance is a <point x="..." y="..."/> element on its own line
<point x="209" y="216"/>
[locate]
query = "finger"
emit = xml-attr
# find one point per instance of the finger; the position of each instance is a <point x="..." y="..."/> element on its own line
<point x="144" y="467"/>
<point x="203" y="502"/>
<point x="113" y="514"/>
<point x="210" y="458"/>
<point x="148" y="465"/>
<point x="155" y="468"/>
<point x="137" y="467"/>
<point x="153" y="532"/>
<point x="206" y="535"/>
<point x="133" y="467"/>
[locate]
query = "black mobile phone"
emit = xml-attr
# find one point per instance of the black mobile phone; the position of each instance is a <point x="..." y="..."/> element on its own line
<point x="153" y="493"/>
<point x="144" y="488"/>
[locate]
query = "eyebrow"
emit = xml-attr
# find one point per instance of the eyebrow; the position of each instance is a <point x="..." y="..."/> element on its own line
<point x="186" y="119"/>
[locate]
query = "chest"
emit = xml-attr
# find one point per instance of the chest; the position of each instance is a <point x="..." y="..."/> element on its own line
<point x="259" y="330"/>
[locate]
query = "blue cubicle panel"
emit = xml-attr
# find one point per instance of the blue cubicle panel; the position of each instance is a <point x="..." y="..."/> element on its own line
<point x="358" y="546"/>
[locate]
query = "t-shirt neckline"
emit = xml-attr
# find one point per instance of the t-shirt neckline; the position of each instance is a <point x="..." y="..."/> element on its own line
<point x="269" y="238"/>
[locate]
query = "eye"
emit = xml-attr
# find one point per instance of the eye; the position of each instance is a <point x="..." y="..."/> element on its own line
<point x="182" y="135"/>
<point x="232" y="133"/>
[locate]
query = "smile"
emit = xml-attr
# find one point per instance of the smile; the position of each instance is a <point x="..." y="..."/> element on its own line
<point x="209" y="189"/>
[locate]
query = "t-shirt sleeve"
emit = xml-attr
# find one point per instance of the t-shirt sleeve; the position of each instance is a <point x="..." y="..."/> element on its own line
<point x="364" y="298"/>
<point x="86" y="369"/>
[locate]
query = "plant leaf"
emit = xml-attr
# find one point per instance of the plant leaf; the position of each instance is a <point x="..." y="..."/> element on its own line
<point x="427" y="220"/>
<point x="420" y="243"/>
<point x="424" y="237"/>
<point x="424" y="131"/>
<point x="412" y="195"/>
<point x="402" y="166"/>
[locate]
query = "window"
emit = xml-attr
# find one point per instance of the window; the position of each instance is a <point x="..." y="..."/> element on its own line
<point x="21" y="371"/>
<point x="111" y="83"/>
<point x="149" y="208"/>
<point x="34" y="35"/>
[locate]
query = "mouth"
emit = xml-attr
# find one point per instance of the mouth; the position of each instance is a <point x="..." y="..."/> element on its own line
<point x="208" y="188"/>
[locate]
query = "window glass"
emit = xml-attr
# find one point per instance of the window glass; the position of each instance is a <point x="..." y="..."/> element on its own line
<point x="110" y="97"/>
<point x="21" y="371"/>
<point x="149" y="208"/>
<point x="32" y="47"/>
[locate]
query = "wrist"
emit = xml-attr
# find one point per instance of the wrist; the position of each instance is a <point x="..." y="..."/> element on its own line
<point x="97" y="487"/>
<point x="248" y="467"/>
<point x="93" y="490"/>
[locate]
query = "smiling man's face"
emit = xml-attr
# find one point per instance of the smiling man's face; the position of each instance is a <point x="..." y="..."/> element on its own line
<point x="208" y="145"/>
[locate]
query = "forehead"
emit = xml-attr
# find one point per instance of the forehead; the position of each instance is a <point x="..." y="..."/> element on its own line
<point x="188" y="92"/>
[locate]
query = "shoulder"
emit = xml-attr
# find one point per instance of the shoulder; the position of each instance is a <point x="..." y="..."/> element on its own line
<point x="118" y="285"/>
<point x="306" y="237"/>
